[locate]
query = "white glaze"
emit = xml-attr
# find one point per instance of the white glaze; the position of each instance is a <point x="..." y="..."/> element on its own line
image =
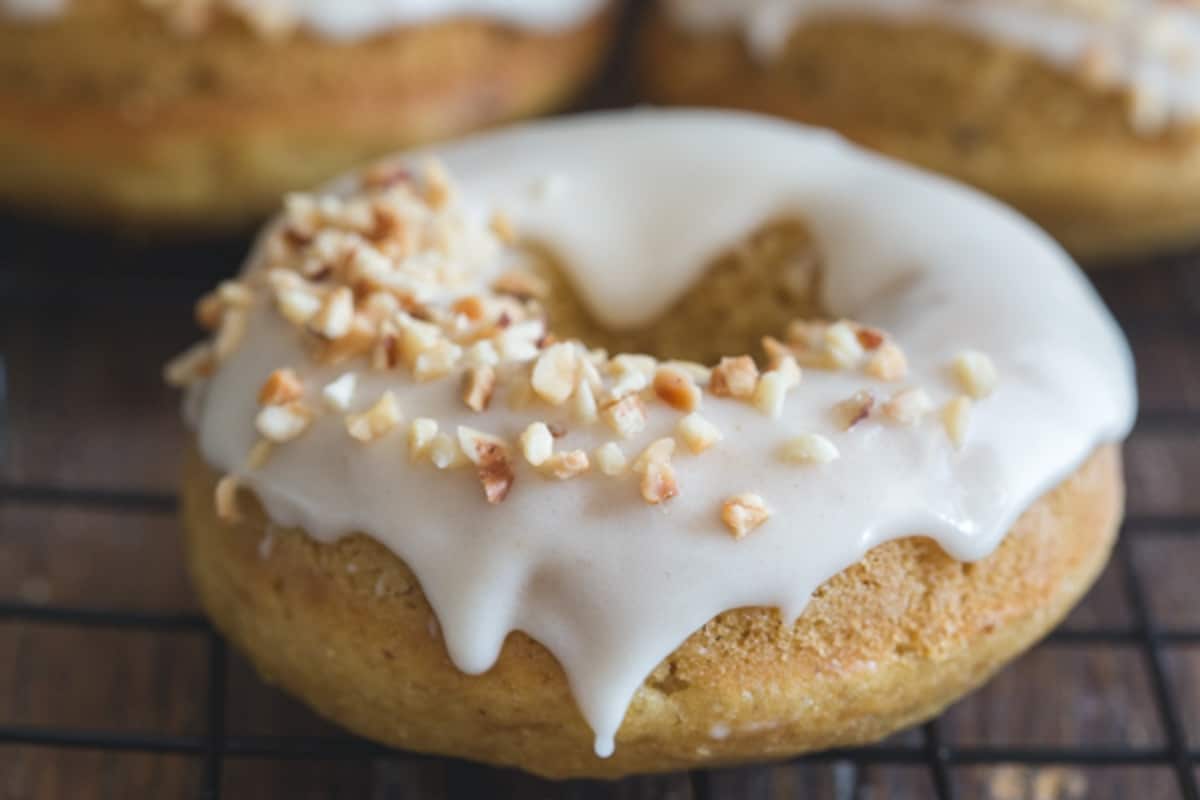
<point x="1152" y="46"/>
<point x="352" y="19"/>
<point x="611" y="585"/>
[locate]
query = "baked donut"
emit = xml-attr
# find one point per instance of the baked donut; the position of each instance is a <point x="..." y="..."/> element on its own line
<point x="1084" y="114"/>
<point x="192" y="116"/>
<point x="423" y="506"/>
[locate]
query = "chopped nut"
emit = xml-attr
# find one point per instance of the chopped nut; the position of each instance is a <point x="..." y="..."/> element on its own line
<point x="677" y="388"/>
<point x="477" y="445"/>
<point x="376" y="421"/>
<point x="698" y="433"/>
<point x="521" y="284"/>
<point x="336" y="315"/>
<point x="519" y="342"/>
<point x="385" y="353"/>
<point x="567" y="465"/>
<point x="297" y="305"/>
<point x="225" y="498"/>
<point x="657" y="452"/>
<point x="437" y="187"/>
<point x="282" y="386"/>
<point x="192" y="365"/>
<point x="445" y="452"/>
<point x="907" y="406"/>
<point x="209" y="310"/>
<point x="699" y="373"/>
<point x="537" y="443"/>
<point x="417" y="338"/>
<point x="471" y="307"/>
<point x="809" y="448"/>
<point x="585" y="402"/>
<point x="339" y="394"/>
<point x="734" y="377"/>
<point x="259" y="453"/>
<point x="502" y="226"/>
<point x="841" y="340"/>
<point x="975" y="372"/>
<point x="478" y="385"/>
<point x="555" y="372"/>
<point x="438" y="361"/>
<point x="854" y="410"/>
<point x="772" y="391"/>
<point x="283" y="423"/>
<point x="610" y="459"/>
<point x="626" y="416"/>
<point x="235" y="294"/>
<point x="956" y="417"/>
<point x="870" y="338"/>
<point x="743" y="513"/>
<point x="887" y="363"/>
<point x="230" y="334"/>
<point x="482" y="354"/>
<point x="420" y="437"/>
<point x="357" y="341"/>
<point x="658" y="483"/>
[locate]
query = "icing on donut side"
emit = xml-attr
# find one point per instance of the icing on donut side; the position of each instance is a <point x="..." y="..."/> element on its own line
<point x="1149" y="46"/>
<point x="354" y="19"/>
<point x="637" y="205"/>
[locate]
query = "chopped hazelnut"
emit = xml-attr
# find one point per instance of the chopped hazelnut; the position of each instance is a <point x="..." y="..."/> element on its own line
<point x="192" y="365"/>
<point x="610" y="459"/>
<point x="734" y="377"/>
<point x="502" y="226"/>
<point x="495" y="472"/>
<point x="772" y="391"/>
<point x="854" y="410"/>
<point x="225" y="498"/>
<point x="420" y="437"/>
<point x="585" y="402"/>
<point x="376" y="421"/>
<point x="445" y="452"/>
<point x="297" y="306"/>
<point x="658" y="484"/>
<point x="230" y="334"/>
<point x="283" y="423"/>
<point x="956" y="417"/>
<point x="809" y="448"/>
<point x="336" y="315"/>
<point x="976" y="373"/>
<point x="478" y="385"/>
<point x="841" y="341"/>
<point x="698" y="433"/>
<point x="887" y="363"/>
<point x="521" y="284"/>
<point x="677" y="388"/>
<point x="281" y="386"/>
<point x="555" y="372"/>
<point x="259" y="453"/>
<point x="339" y="394"/>
<point x="566" y="465"/>
<point x="626" y="416"/>
<point x="438" y="361"/>
<point x="657" y="452"/>
<point x="907" y="406"/>
<point x="537" y="443"/>
<point x="743" y="513"/>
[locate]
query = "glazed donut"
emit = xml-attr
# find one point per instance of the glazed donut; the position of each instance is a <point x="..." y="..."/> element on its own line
<point x="417" y="501"/>
<point x="1084" y="114"/>
<point x="194" y="116"/>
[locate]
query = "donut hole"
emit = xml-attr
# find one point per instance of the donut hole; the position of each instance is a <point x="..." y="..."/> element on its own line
<point x="752" y="290"/>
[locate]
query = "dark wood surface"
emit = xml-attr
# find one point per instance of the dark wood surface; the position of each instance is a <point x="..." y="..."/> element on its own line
<point x="85" y="324"/>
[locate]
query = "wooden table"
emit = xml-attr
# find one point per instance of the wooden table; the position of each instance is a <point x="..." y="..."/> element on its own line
<point x="112" y="685"/>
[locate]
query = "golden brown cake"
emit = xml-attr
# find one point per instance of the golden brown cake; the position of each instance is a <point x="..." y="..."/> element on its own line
<point x="1091" y="126"/>
<point x="470" y="478"/>
<point x="153" y="118"/>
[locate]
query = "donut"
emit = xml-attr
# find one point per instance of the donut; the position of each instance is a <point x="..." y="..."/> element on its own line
<point x="195" y="116"/>
<point x="1083" y="114"/>
<point x="467" y="476"/>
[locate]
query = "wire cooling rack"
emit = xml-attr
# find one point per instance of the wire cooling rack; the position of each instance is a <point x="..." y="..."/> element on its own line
<point x="47" y="276"/>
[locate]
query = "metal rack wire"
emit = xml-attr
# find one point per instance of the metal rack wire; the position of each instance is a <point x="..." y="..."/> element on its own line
<point x="24" y="282"/>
